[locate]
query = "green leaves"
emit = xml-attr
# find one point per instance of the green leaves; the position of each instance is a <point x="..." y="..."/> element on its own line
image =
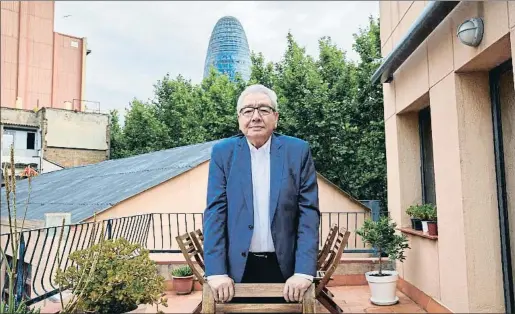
<point x="182" y="271"/>
<point x="423" y="212"/>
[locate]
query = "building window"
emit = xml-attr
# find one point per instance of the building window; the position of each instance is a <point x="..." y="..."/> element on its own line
<point x="7" y="140"/>
<point x="21" y="139"/>
<point x="426" y="154"/>
<point x="31" y="140"/>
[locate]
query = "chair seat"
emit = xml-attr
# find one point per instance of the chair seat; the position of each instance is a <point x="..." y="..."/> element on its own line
<point x="308" y="304"/>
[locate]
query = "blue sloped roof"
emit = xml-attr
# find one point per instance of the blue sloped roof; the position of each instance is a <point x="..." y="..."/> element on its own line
<point x="84" y="190"/>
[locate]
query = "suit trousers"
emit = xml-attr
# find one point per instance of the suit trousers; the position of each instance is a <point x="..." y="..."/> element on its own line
<point x="261" y="268"/>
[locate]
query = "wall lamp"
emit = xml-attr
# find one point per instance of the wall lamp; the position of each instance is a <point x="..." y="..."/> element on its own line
<point x="471" y="32"/>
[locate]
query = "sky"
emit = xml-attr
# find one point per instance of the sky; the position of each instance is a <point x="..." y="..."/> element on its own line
<point x="136" y="43"/>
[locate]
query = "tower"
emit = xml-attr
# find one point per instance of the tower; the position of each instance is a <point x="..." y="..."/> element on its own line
<point x="228" y="49"/>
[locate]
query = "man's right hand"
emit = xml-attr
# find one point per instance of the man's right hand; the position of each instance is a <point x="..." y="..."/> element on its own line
<point x="222" y="288"/>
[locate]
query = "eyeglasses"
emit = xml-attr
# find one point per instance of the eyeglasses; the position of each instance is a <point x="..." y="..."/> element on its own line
<point x="262" y="110"/>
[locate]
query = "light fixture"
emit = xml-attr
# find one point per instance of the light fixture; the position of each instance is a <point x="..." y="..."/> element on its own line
<point x="471" y="31"/>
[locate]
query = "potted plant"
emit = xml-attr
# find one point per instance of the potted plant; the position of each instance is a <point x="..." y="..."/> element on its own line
<point x="432" y="221"/>
<point x="182" y="278"/>
<point x="381" y="236"/>
<point x="414" y="212"/>
<point x="425" y="212"/>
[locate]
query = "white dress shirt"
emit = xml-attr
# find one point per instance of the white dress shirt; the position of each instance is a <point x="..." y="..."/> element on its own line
<point x="262" y="235"/>
<point x="262" y="240"/>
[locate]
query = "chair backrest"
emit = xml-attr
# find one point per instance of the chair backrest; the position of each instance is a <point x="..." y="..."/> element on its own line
<point x="334" y="258"/>
<point x="250" y="290"/>
<point x="189" y="250"/>
<point x="322" y="256"/>
<point x="198" y="239"/>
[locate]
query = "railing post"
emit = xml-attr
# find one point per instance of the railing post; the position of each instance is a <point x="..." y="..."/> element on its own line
<point x="19" y="272"/>
<point x="375" y="207"/>
<point x="109" y="229"/>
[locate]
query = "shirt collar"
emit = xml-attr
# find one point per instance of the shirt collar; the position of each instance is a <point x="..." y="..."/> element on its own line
<point x="265" y="147"/>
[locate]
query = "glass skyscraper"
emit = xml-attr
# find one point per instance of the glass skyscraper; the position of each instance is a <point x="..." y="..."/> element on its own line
<point x="228" y="49"/>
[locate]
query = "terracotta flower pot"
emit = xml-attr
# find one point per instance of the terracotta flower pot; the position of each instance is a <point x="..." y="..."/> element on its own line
<point x="432" y="228"/>
<point x="183" y="285"/>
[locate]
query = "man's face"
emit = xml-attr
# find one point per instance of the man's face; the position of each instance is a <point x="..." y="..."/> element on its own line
<point x="257" y="118"/>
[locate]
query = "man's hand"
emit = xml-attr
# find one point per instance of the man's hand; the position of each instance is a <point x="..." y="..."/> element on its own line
<point x="222" y="288"/>
<point x="295" y="287"/>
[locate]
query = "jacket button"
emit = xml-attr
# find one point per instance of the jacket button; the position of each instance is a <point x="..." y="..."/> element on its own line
<point x="243" y="254"/>
<point x="251" y="227"/>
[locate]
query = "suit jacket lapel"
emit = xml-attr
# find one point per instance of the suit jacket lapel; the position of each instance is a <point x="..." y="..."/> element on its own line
<point x="244" y="168"/>
<point x="276" y="174"/>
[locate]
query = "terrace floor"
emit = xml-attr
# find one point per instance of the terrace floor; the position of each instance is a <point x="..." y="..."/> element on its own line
<point x="352" y="299"/>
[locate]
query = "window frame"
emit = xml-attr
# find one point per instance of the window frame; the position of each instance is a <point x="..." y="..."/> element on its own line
<point x="424" y="116"/>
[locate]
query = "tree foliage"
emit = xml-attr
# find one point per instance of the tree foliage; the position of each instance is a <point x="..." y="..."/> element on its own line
<point x="382" y="236"/>
<point x="327" y="101"/>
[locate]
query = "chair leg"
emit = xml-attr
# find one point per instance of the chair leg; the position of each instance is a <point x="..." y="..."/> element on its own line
<point x="328" y="303"/>
<point x="329" y="293"/>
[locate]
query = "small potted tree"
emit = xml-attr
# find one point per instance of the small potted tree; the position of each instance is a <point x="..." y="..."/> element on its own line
<point x="381" y="236"/>
<point x="182" y="278"/>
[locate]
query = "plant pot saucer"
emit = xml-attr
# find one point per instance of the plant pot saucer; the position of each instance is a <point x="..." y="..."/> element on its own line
<point x="395" y="301"/>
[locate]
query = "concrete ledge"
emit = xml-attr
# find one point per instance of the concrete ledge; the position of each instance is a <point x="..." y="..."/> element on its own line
<point x="350" y="271"/>
<point x="426" y="302"/>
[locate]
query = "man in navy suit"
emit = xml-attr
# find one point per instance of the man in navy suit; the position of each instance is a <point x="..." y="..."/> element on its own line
<point x="262" y="217"/>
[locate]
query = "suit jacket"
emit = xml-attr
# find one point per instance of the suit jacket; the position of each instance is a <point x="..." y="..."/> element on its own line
<point x="294" y="209"/>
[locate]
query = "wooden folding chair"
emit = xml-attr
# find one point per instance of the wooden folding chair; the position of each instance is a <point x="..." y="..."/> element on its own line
<point x="209" y="305"/>
<point x="198" y="239"/>
<point x="189" y="251"/>
<point x="323" y="295"/>
<point x="322" y="254"/>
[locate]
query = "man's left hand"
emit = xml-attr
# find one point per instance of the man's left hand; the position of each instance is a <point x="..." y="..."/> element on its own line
<point x="295" y="287"/>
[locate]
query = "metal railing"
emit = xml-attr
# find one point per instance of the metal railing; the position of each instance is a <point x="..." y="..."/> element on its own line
<point x="42" y="251"/>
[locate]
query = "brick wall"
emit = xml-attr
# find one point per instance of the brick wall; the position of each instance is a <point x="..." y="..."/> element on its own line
<point x="74" y="157"/>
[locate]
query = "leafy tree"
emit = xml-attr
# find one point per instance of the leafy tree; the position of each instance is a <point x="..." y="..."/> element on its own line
<point x="217" y="97"/>
<point x="143" y="131"/>
<point x="116" y="135"/>
<point x="262" y="72"/>
<point x="369" y="115"/>
<point x="174" y="108"/>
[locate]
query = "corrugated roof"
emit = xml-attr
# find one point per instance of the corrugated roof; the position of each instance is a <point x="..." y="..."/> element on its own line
<point x="84" y="190"/>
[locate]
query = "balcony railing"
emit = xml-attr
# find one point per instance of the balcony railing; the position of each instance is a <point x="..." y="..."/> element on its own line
<point x="43" y="250"/>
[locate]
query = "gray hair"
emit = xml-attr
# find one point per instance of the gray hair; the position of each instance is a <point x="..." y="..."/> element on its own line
<point x="255" y="89"/>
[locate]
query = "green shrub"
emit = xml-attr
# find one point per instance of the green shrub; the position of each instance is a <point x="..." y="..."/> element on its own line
<point x="182" y="271"/>
<point x="124" y="277"/>
<point x="423" y="212"/>
<point x="432" y="214"/>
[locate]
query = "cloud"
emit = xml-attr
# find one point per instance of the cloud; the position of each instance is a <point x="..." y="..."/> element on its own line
<point x="134" y="44"/>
